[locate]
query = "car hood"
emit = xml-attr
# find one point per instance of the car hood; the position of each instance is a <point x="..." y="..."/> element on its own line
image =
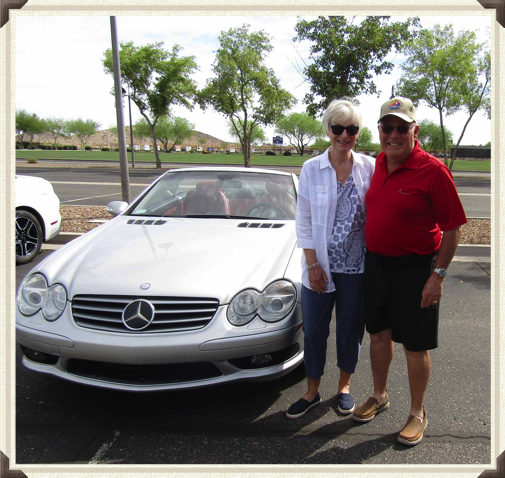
<point x="181" y="257"/>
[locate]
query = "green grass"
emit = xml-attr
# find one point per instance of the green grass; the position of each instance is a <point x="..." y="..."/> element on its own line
<point x="214" y="158"/>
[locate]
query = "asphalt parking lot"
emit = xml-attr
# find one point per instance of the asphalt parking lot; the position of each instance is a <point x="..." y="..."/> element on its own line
<point x="60" y="422"/>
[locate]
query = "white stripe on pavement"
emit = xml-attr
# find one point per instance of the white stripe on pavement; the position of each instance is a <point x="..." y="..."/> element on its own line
<point x="97" y="184"/>
<point x="92" y="197"/>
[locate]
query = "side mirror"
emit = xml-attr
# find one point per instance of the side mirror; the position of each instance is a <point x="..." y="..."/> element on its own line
<point x="117" y="207"/>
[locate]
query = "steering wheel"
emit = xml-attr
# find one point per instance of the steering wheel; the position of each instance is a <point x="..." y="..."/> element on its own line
<point x="265" y="209"/>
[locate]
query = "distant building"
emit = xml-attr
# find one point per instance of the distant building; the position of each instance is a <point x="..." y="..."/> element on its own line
<point x="481" y="152"/>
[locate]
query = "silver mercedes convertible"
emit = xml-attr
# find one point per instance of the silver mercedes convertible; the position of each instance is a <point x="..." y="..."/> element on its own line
<point x="195" y="283"/>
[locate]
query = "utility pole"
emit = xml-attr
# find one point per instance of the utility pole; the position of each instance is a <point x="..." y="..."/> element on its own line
<point x="123" y="161"/>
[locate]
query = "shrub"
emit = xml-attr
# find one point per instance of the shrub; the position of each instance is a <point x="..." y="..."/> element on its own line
<point x="66" y="147"/>
<point x="117" y="149"/>
<point x="60" y="147"/>
<point x="286" y="153"/>
<point x="73" y="147"/>
<point x="270" y="153"/>
<point x="19" y="146"/>
<point x="105" y="149"/>
<point x="192" y="151"/>
<point x="31" y="160"/>
<point x="88" y="148"/>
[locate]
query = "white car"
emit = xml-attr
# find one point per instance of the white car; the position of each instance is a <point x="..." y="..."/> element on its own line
<point x="195" y="283"/>
<point x="38" y="216"/>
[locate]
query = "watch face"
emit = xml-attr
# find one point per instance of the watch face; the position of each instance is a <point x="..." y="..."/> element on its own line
<point x="441" y="272"/>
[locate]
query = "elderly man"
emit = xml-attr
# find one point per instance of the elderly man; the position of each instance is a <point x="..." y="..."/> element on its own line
<point x="411" y="200"/>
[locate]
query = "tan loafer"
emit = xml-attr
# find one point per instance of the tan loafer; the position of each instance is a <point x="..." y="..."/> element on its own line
<point x="412" y="432"/>
<point x="369" y="409"/>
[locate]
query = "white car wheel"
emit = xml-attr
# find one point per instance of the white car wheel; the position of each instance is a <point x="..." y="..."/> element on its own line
<point x="28" y="237"/>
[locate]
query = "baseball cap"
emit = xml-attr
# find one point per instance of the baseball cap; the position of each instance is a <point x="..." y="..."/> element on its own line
<point x="399" y="106"/>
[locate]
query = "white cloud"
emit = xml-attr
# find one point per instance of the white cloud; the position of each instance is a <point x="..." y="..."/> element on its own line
<point x="59" y="68"/>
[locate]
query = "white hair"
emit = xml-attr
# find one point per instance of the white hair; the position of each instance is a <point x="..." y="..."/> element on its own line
<point x="339" y="112"/>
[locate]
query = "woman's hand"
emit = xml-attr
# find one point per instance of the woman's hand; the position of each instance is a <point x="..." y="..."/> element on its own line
<point x="317" y="279"/>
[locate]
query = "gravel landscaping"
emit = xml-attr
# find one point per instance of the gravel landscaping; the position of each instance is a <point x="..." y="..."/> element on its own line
<point x="77" y="219"/>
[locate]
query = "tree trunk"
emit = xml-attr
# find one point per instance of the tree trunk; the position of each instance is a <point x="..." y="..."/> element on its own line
<point x="156" y="152"/>
<point x="443" y="135"/>
<point x="453" y="155"/>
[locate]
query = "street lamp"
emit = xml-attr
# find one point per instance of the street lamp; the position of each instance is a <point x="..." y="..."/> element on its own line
<point x="131" y="129"/>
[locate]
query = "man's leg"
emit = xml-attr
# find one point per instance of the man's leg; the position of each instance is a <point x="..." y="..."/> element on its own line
<point x="381" y="356"/>
<point x="419" y="368"/>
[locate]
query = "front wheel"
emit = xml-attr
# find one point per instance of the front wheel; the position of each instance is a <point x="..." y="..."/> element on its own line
<point x="28" y="237"/>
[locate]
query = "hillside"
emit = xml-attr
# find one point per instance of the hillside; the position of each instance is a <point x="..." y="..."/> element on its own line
<point x="107" y="139"/>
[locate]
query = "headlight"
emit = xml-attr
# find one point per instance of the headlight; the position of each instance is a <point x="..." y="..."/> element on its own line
<point x="35" y="294"/>
<point x="272" y="305"/>
<point x="243" y="306"/>
<point x="276" y="301"/>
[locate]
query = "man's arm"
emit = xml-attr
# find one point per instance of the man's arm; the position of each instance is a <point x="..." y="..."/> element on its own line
<point x="432" y="291"/>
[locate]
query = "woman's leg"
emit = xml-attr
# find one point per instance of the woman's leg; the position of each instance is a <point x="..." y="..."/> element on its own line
<point x="349" y="305"/>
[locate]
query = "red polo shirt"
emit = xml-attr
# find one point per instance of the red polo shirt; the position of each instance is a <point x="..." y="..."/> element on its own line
<point x="408" y="209"/>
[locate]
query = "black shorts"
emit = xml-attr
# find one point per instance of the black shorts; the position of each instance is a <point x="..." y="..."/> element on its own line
<point x="393" y="293"/>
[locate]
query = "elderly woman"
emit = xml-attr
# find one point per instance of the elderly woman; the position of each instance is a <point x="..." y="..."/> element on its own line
<point x="330" y="227"/>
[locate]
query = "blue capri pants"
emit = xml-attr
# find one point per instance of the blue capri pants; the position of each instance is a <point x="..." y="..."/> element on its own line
<point x="348" y="299"/>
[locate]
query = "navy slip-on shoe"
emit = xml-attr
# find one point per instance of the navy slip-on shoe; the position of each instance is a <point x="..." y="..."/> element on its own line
<point x="302" y="406"/>
<point x="345" y="403"/>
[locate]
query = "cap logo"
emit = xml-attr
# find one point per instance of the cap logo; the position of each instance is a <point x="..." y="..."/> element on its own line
<point x="395" y="105"/>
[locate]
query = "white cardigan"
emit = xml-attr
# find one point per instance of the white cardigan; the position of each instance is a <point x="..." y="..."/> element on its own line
<point x="317" y="204"/>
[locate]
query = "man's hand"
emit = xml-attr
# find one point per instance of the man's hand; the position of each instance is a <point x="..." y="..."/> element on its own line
<point x="432" y="292"/>
<point x="317" y="279"/>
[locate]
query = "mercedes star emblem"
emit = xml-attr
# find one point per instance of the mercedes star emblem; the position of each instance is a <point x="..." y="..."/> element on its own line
<point x="137" y="315"/>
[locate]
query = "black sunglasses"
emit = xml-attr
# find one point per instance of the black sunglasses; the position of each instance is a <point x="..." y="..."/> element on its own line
<point x="402" y="129"/>
<point x="339" y="129"/>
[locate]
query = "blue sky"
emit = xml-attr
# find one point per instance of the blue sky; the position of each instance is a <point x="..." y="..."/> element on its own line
<point x="66" y="54"/>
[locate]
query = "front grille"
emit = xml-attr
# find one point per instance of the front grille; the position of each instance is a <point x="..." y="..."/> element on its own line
<point x="172" y="314"/>
<point x="143" y="374"/>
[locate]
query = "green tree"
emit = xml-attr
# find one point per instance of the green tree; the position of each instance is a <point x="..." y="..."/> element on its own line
<point x="430" y="136"/>
<point x="321" y="143"/>
<point x="365" y="139"/>
<point x="476" y="93"/>
<point x="158" y="79"/>
<point x="168" y="130"/>
<point x="440" y="69"/>
<point x="300" y="129"/>
<point x="202" y="141"/>
<point x="344" y="56"/>
<point x="29" y="124"/>
<point x="23" y="119"/>
<point x="257" y="134"/>
<point x="244" y="89"/>
<point x="83" y="129"/>
<point x="57" y="127"/>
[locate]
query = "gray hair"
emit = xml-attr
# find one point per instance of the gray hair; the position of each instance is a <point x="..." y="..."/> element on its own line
<point x="339" y="112"/>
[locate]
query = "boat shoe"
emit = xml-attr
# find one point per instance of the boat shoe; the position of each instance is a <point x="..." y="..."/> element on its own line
<point x="412" y="432"/>
<point x="369" y="409"/>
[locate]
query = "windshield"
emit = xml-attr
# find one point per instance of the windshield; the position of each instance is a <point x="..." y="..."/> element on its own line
<point x="210" y="194"/>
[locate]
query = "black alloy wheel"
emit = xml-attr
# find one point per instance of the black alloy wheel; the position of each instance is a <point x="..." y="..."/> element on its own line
<point x="28" y="237"/>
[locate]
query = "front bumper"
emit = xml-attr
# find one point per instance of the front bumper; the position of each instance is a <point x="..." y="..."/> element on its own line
<point x="218" y="353"/>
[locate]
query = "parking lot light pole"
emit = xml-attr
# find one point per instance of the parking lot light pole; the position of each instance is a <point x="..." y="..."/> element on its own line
<point x="131" y="128"/>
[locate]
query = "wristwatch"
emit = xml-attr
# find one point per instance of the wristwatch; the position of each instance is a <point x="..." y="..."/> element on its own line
<point x="441" y="272"/>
